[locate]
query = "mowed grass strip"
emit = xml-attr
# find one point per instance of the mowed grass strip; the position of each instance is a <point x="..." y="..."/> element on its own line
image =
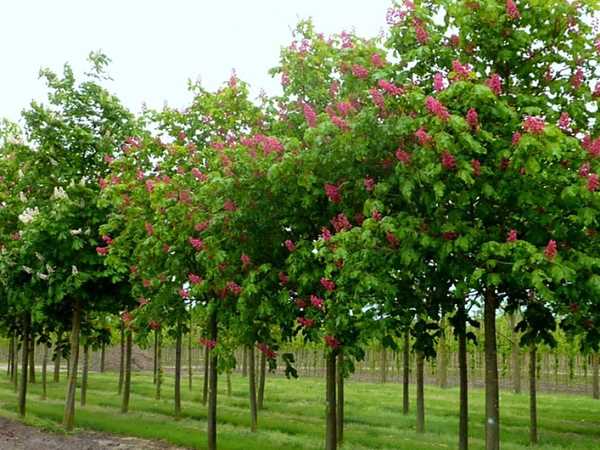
<point x="293" y="417"/>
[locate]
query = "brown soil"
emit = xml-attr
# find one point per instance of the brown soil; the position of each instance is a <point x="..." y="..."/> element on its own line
<point x="16" y="436"/>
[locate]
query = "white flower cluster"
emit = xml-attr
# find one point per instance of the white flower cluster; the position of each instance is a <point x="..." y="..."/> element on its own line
<point x="28" y="215"/>
<point x="22" y="197"/>
<point x="59" y="193"/>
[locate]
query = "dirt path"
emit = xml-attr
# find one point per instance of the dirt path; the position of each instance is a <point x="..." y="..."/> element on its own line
<point x="16" y="436"/>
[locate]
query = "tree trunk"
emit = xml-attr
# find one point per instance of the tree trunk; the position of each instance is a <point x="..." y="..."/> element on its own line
<point x="406" y="372"/>
<point x="69" y="416"/>
<point x="103" y="358"/>
<point x="492" y="402"/>
<point x="515" y="356"/>
<point x="244" y="362"/>
<point x="178" y="373"/>
<point x="229" y="383"/>
<point x="443" y="357"/>
<point x="127" y="374"/>
<point x="533" y="431"/>
<point x="212" y="397"/>
<point x="595" y="376"/>
<point x="158" y="360"/>
<point x="330" y="431"/>
<point x="14" y="359"/>
<point x="122" y="359"/>
<point x="262" y="380"/>
<point x="84" y="373"/>
<point x="420" y="393"/>
<point x="206" y="375"/>
<point x="252" y="389"/>
<point x="16" y="371"/>
<point x="45" y="372"/>
<point x="32" y="360"/>
<point x="463" y="426"/>
<point x="11" y="350"/>
<point x="24" y="363"/>
<point x="155" y="363"/>
<point x="340" y="397"/>
<point x="57" y="357"/>
<point x="190" y="359"/>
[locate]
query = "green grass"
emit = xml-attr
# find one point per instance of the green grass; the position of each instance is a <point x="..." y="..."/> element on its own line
<point x="293" y="418"/>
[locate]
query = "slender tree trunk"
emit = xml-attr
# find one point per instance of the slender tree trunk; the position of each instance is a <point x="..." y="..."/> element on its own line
<point x="229" y="383"/>
<point x="178" y="373"/>
<point x="252" y="390"/>
<point x="155" y="362"/>
<point x="57" y="357"/>
<point x="32" y="360"/>
<point x="420" y="393"/>
<point x="11" y="350"/>
<point x="213" y="383"/>
<point x="340" y="397"/>
<point x="103" y="358"/>
<point x="206" y="375"/>
<point x="25" y="362"/>
<point x="127" y="374"/>
<point x="15" y="359"/>
<point x="533" y="430"/>
<point x="595" y="376"/>
<point x="122" y="359"/>
<point x="190" y="359"/>
<point x="443" y="357"/>
<point x="492" y="402"/>
<point x="244" y="362"/>
<point x="406" y="373"/>
<point x="463" y="426"/>
<point x="69" y="417"/>
<point x="330" y="431"/>
<point x="262" y="380"/>
<point x="158" y="360"/>
<point x="16" y="372"/>
<point x="84" y="373"/>
<point x="45" y="372"/>
<point x="515" y="356"/>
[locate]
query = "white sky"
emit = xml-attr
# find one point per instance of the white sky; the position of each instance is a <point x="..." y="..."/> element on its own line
<point x="157" y="45"/>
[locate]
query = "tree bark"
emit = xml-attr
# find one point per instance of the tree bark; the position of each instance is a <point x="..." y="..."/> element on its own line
<point x="463" y="426"/>
<point x="190" y="359"/>
<point x="533" y="431"/>
<point x="406" y="373"/>
<point x="262" y="380"/>
<point x="122" y="359"/>
<point x="244" y="362"/>
<point x="340" y="397"/>
<point x="492" y="402"/>
<point x="57" y="357"/>
<point x="515" y="356"/>
<point x="103" y="358"/>
<point x="252" y="390"/>
<point x="330" y="431"/>
<point x="206" y="375"/>
<point x="32" y="360"/>
<point x="127" y="374"/>
<point x="443" y="357"/>
<point x="155" y="362"/>
<point x="24" y="363"/>
<point x="69" y="416"/>
<point x="229" y="383"/>
<point x="14" y="359"/>
<point x="158" y="359"/>
<point x="84" y="373"/>
<point x="11" y="349"/>
<point x="595" y="376"/>
<point x="420" y="393"/>
<point x="16" y="368"/>
<point x="45" y="372"/>
<point x="213" y="383"/>
<point x="178" y="373"/>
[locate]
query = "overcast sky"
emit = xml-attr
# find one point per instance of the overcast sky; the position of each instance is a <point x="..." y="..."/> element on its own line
<point x="157" y="45"/>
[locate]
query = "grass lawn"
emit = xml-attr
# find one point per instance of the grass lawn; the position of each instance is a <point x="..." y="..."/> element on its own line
<point x="294" y="415"/>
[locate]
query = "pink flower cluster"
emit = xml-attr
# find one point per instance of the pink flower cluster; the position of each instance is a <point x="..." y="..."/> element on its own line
<point x="197" y="243"/>
<point x="208" y="343"/>
<point x="403" y="156"/>
<point x="494" y="82"/>
<point x="422" y="137"/>
<point x="462" y="72"/>
<point x="593" y="182"/>
<point x="341" y="223"/>
<point x="332" y="342"/>
<point x="438" y="82"/>
<point x="436" y="108"/>
<point x="306" y="322"/>
<point x="309" y="115"/>
<point x="511" y="10"/>
<point x="317" y="302"/>
<point x="377" y="98"/>
<point x="472" y="118"/>
<point x="392" y="239"/>
<point x="328" y="284"/>
<point x="266" y="350"/>
<point x="333" y="193"/>
<point x="591" y="145"/>
<point x="359" y="71"/>
<point x="550" y="251"/>
<point x="448" y="160"/>
<point x="512" y="236"/>
<point x="476" y="166"/>
<point x="369" y="183"/>
<point x="194" y="279"/>
<point x="390" y="88"/>
<point x="533" y="125"/>
<point x="289" y="244"/>
<point x="234" y="288"/>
